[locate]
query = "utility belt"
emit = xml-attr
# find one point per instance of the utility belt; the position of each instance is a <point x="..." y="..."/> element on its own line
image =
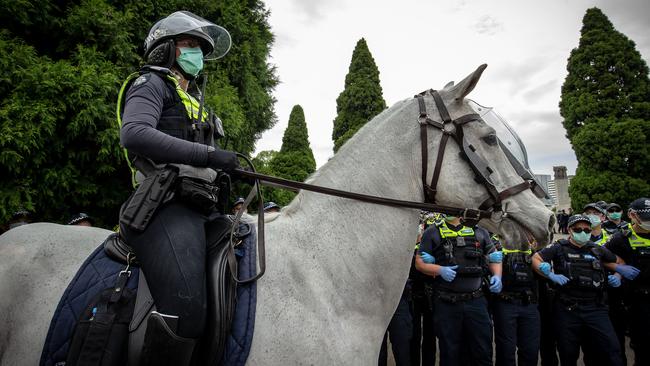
<point x="523" y="297"/>
<point x="163" y="185"/>
<point x="456" y="297"/>
<point x="570" y="302"/>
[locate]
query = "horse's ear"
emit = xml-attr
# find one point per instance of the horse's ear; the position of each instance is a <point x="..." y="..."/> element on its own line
<point x="463" y="88"/>
<point x="449" y="84"/>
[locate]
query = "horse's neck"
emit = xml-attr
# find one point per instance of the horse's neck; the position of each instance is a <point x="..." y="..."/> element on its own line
<point x="352" y="254"/>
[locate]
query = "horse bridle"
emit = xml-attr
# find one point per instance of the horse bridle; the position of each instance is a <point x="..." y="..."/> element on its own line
<point x="480" y="168"/>
<point x="470" y="215"/>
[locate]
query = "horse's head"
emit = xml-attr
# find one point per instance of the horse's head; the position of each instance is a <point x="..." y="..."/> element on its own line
<point x="475" y="170"/>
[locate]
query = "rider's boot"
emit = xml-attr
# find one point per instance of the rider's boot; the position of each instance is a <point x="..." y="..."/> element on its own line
<point x="161" y="344"/>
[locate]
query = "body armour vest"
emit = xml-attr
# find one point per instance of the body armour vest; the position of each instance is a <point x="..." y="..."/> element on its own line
<point x="640" y="259"/>
<point x="179" y="118"/>
<point x="584" y="270"/>
<point x="517" y="272"/>
<point x="463" y="249"/>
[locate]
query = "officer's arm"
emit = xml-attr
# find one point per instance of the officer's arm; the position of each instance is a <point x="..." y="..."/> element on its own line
<point x="428" y="269"/>
<point x="537" y="260"/>
<point x="496" y="269"/>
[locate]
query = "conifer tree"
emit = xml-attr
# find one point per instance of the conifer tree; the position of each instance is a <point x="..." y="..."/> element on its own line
<point x="63" y="63"/>
<point x="295" y="160"/>
<point x="606" y="108"/>
<point x="362" y="98"/>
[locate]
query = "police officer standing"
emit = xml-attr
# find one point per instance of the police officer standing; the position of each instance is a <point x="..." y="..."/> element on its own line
<point x="614" y="222"/>
<point x="457" y="256"/>
<point x="634" y="249"/>
<point x="168" y="133"/>
<point x="578" y="273"/>
<point x="596" y="215"/>
<point x="516" y="317"/>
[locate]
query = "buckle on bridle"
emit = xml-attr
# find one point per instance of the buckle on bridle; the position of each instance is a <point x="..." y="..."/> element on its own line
<point x="422" y="119"/>
<point x="467" y="211"/>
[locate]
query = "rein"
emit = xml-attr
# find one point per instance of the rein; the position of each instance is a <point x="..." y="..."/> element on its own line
<point x="469" y="215"/>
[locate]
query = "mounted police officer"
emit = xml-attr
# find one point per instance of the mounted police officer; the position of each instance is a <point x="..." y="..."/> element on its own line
<point x="459" y="257"/>
<point x="170" y="139"/>
<point x="633" y="248"/>
<point x="516" y="317"/>
<point x="580" y="280"/>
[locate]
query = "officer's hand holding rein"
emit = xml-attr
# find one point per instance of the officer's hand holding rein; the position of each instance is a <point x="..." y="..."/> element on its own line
<point x="222" y="159"/>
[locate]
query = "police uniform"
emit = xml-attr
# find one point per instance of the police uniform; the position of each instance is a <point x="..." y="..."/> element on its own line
<point x="461" y="317"/>
<point x="164" y="125"/>
<point x="634" y="249"/>
<point x="580" y="304"/>
<point x="516" y="317"/>
<point x="400" y="331"/>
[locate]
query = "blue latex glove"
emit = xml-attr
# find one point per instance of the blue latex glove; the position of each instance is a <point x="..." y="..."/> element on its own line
<point x="627" y="271"/>
<point x="495" y="257"/>
<point x="558" y="279"/>
<point x="427" y="258"/>
<point x="447" y="273"/>
<point x="495" y="284"/>
<point x="613" y="280"/>
<point x="545" y="268"/>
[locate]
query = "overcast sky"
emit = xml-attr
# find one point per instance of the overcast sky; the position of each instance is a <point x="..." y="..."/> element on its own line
<point x="422" y="44"/>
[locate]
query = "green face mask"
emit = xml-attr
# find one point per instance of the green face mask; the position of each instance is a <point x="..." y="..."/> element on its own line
<point x="615" y="215"/>
<point x="191" y="60"/>
<point x="581" y="238"/>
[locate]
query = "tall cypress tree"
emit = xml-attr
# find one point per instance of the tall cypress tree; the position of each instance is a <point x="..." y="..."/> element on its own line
<point x="606" y="108"/>
<point x="63" y="63"/>
<point x="295" y="160"/>
<point x="362" y="98"/>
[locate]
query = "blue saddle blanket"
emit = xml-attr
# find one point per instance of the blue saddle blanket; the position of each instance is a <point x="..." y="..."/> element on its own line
<point x="99" y="272"/>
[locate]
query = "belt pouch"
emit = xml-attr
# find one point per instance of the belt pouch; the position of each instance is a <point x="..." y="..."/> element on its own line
<point x="149" y="195"/>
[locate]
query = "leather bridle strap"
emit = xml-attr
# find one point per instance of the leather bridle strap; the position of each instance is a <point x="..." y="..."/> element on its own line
<point x="466" y="213"/>
<point x="478" y="165"/>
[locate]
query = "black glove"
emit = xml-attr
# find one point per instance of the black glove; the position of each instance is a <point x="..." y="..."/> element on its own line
<point x="223" y="159"/>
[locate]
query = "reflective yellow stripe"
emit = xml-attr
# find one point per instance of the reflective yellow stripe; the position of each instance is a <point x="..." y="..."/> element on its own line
<point x="446" y="232"/>
<point x="510" y="251"/>
<point x="638" y="242"/>
<point x="604" y="239"/>
<point x="190" y="103"/>
<point x="120" y="96"/>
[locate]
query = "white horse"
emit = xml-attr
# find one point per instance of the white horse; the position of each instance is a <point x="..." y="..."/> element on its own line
<point x="335" y="267"/>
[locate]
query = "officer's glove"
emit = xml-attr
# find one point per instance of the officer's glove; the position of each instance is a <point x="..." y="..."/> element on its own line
<point x="613" y="280"/>
<point x="558" y="279"/>
<point x="222" y="159"/>
<point x="627" y="271"/>
<point x="545" y="268"/>
<point x="448" y="273"/>
<point x="495" y="284"/>
<point x="427" y="258"/>
<point x="495" y="257"/>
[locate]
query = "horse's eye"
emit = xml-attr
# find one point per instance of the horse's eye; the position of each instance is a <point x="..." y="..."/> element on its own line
<point x="491" y="139"/>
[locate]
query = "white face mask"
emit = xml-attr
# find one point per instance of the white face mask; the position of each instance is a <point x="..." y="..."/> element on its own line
<point x="645" y="225"/>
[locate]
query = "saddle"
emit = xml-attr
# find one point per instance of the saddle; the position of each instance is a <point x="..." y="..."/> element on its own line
<point x="221" y="292"/>
<point x="231" y="308"/>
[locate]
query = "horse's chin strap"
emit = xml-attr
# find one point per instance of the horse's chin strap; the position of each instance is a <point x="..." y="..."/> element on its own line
<point x="468" y="153"/>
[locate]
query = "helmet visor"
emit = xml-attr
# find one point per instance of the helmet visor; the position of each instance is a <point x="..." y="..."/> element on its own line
<point x="182" y="22"/>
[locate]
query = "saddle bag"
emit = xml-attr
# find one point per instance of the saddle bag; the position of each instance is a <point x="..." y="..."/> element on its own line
<point x="101" y="335"/>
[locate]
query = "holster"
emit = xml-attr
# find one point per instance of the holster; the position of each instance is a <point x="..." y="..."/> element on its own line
<point x="201" y="195"/>
<point x="155" y="189"/>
